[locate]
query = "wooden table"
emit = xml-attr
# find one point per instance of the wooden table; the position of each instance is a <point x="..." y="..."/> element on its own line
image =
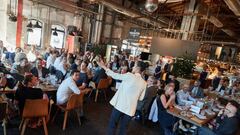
<point x="214" y="95"/>
<point x="45" y="88"/>
<point x="194" y="120"/>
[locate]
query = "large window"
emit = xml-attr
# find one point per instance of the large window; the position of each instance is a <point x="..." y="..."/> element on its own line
<point x="57" y="36"/>
<point x="34" y="35"/>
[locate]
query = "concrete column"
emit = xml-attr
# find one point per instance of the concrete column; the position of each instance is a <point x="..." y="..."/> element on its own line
<point x="190" y="23"/>
<point x="98" y="24"/>
<point x="3" y="20"/>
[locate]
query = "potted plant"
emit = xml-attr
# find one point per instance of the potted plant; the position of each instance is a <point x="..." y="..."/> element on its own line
<point x="183" y="68"/>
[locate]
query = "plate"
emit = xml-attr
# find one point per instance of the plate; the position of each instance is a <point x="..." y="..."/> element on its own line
<point x="215" y="109"/>
<point x="200" y="116"/>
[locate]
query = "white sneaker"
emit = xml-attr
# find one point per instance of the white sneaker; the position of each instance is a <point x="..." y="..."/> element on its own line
<point x="193" y="127"/>
<point x="183" y="128"/>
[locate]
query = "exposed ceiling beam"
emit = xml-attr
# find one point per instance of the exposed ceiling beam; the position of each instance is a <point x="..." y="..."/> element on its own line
<point x="234" y="5"/>
<point x="63" y="5"/>
<point x="132" y="13"/>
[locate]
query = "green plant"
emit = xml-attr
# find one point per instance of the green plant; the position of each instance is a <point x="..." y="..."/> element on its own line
<point x="183" y="66"/>
<point x="99" y="49"/>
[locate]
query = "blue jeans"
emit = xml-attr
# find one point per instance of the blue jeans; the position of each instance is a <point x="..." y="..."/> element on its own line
<point x="205" y="131"/>
<point x="117" y="116"/>
<point x="169" y="131"/>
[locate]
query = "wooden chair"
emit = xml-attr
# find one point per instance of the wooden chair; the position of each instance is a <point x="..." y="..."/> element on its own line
<point x="74" y="103"/>
<point x="102" y="85"/>
<point x="3" y="116"/>
<point x="37" y="108"/>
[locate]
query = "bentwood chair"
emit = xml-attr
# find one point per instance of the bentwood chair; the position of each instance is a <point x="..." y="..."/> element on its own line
<point x="3" y="116"/>
<point x="74" y="103"/>
<point x="37" y="108"/>
<point x="102" y="86"/>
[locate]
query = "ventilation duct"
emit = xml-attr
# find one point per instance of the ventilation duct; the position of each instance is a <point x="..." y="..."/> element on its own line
<point x="213" y="20"/>
<point x="234" y="5"/>
<point x="132" y="13"/>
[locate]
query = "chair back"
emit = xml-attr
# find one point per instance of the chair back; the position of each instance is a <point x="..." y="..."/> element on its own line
<point x="75" y="101"/>
<point x="35" y="108"/>
<point x="3" y="110"/>
<point x="103" y="84"/>
<point x="109" y="80"/>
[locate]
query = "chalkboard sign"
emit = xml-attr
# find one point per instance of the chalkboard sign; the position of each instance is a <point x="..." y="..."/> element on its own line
<point x="134" y="34"/>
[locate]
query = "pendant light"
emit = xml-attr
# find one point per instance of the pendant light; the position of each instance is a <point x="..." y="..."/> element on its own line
<point x="37" y="23"/>
<point x="151" y="5"/>
<point x="55" y="32"/>
<point x="29" y="30"/>
<point x="30" y="25"/>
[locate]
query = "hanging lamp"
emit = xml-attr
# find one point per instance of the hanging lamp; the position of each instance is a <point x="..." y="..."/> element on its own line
<point x="55" y="32"/>
<point x="37" y="23"/>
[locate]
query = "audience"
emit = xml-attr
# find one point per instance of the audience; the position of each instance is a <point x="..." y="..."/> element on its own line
<point x="227" y="122"/>
<point x="184" y="97"/>
<point x="68" y="87"/>
<point x="196" y="90"/>
<point x="39" y="71"/>
<point x="28" y="91"/>
<point x="51" y="59"/>
<point x="150" y="94"/>
<point x="21" y="68"/>
<point x="82" y="82"/>
<point x="165" y="101"/>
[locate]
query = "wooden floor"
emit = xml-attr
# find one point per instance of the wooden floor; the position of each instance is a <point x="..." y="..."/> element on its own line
<point x="97" y="117"/>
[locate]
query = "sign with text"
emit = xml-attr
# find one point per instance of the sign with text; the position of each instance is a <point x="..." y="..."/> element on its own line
<point x="134" y="34"/>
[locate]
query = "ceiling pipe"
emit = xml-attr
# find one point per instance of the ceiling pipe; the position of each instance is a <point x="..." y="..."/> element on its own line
<point x="59" y="4"/>
<point x="234" y="5"/>
<point x="132" y="13"/>
<point x="219" y="42"/>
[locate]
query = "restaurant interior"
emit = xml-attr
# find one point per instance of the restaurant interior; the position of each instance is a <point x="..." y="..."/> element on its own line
<point x="75" y="67"/>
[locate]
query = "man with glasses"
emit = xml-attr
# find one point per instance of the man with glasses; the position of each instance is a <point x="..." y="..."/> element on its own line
<point x="227" y="121"/>
<point x="184" y="97"/>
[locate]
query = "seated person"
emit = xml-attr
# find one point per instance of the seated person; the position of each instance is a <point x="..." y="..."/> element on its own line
<point x="21" y="68"/>
<point x="150" y="93"/>
<point x="175" y="81"/>
<point x="158" y="69"/>
<point x="68" y="87"/>
<point x="19" y="54"/>
<point x="183" y="96"/>
<point x="39" y="71"/>
<point x="99" y="74"/>
<point x="227" y="121"/>
<point x="223" y="84"/>
<point x="82" y="82"/>
<point x="75" y="65"/>
<point x="164" y="102"/>
<point x="216" y="80"/>
<point x="27" y="91"/>
<point x="95" y="68"/>
<point x="196" y="90"/>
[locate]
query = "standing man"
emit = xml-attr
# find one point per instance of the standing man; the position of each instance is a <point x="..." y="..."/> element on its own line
<point x="125" y="100"/>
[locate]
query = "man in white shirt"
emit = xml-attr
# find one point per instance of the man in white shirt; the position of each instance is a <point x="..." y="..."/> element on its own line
<point x="68" y="87"/>
<point x="125" y="100"/>
<point x="183" y="96"/>
<point x="51" y="58"/>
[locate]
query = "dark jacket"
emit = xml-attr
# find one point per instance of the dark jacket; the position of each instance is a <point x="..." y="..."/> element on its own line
<point x="151" y="93"/>
<point x="227" y="126"/>
<point x="176" y="83"/>
<point x="45" y="72"/>
<point x="99" y="74"/>
<point x="200" y="92"/>
<point x="215" y="82"/>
